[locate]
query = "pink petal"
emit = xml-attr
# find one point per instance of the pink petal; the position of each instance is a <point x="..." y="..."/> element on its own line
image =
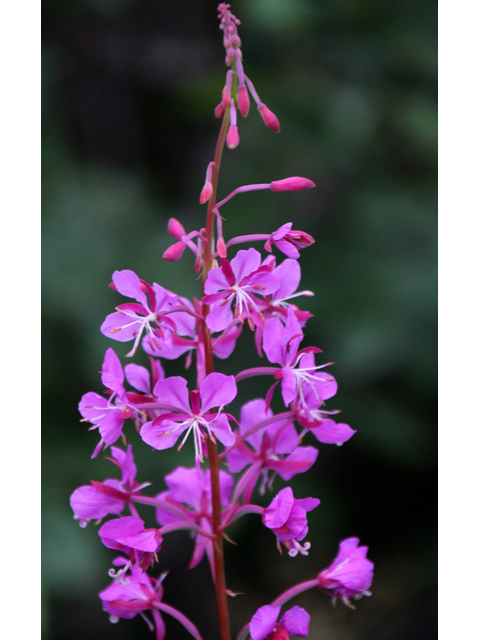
<point x="138" y="377"/>
<point x="245" y="263"/>
<point x="263" y="622"/>
<point x="296" y="621"/>
<point x="289" y="386"/>
<point x="287" y="439"/>
<point x="174" y="392"/>
<point x="220" y="317"/>
<point x="217" y="390"/>
<point x="282" y="231"/>
<point x="112" y="371"/>
<point x="308" y="503"/>
<point x="299" y="461"/>
<point x="121" y="327"/>
<point x="129" y="525"/>
<point x="275" y="341"/>
<point x="329" y="432"/>
<point x="287" y="248"/>
<point x="216" y="281"/>
<point x="160" y="437"/>
<point x="128" y="284"/>
<point x="278" y="512"/>
<point x="111" y="426"/>
<point x="187" y="486"/>
<point x="222" y="430"/>
<point x="89" y="504"/>
<point x="126" y="463"/>
<point x="289" y="275"/>
<point x="93" y="407"/>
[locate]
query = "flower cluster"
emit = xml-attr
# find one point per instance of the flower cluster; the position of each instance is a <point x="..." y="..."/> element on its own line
<point x="244" y="291"/>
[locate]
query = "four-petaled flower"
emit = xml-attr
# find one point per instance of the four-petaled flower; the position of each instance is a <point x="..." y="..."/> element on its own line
<point x="241" y="280"/>
<point x="287" y="518"/>
<point x="150" y="312"/>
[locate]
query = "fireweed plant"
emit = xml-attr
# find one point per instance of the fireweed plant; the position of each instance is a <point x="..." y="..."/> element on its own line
<point x="249" y="292"/>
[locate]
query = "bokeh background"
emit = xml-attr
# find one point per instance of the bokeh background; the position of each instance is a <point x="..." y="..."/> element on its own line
<point x="128" y="129"/>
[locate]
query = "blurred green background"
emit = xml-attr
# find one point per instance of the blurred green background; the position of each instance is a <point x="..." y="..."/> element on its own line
<point x="128" y="130"/>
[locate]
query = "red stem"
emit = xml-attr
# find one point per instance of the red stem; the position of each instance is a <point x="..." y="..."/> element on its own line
<point x="220" y="583"/>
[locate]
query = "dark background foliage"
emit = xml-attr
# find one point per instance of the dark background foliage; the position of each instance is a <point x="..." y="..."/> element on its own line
<point x="128" y="129"/>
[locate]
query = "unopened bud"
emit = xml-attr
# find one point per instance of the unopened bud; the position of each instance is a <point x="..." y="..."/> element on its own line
<point x="269" y="118"/>
<point x="227" y="89"/>
<point x="221" y="248"/>
<point x="174" y="252"/>
<point x="243" y="100"/>
<point x="294" y="183"/>
<point x="175" y="229"/>
<point x="219" y="111"/>
<point x="206" y="193"/>
<point x="229" y="58"/>
<point x="233" y="138"/>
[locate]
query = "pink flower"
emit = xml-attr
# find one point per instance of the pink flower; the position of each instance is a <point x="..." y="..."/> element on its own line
<point x="264" y="623"/>
<point x="108" y="414"/>
<point x="126" y="599"/>
<point x="287" y="518"/>
<point x="149" y="312"/>
<point x="109" y="497"/>
<point x="267" y="448"/>
<point x="240" y="280"/>
<point x="288" y="241"/>
<point x="192" y="487"/>
<point x="351" y="573"/>
<point x="140" y="593"/>
<point x="187" y="415"/>
<point x="125" y="534"/>
<point x="298" y="371"/>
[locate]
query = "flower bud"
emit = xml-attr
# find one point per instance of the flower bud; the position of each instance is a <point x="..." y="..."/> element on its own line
<point x="175" y="229"/>
<point x="269" y="118"/>
<point x="243" y="100"/>
<point x="221" y="248"/>
<point x="174" y="252"/>
<point x="206" y="193"/>
<point x="219" y="110"/>
<point x="233" y="138"/>
<point x="294" y="183"/>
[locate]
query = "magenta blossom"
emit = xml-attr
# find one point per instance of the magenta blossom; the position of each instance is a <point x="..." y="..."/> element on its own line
<point x="150" y="312"/>
<point x="108" y="414"/>
<point x="187" y="415"/>
<point x="109" y="497"/>
<point x="138" y="594"/>
<point x="267" y="447"/>
<point x="192" y="487"/>
<point x="298" y="371"/>
<point x="351" y="573"/>
<point x="264" y="625"/>
<point x="240" y="281"/>
<point x="288" y="241"/>
<point x="287" y="518"/>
